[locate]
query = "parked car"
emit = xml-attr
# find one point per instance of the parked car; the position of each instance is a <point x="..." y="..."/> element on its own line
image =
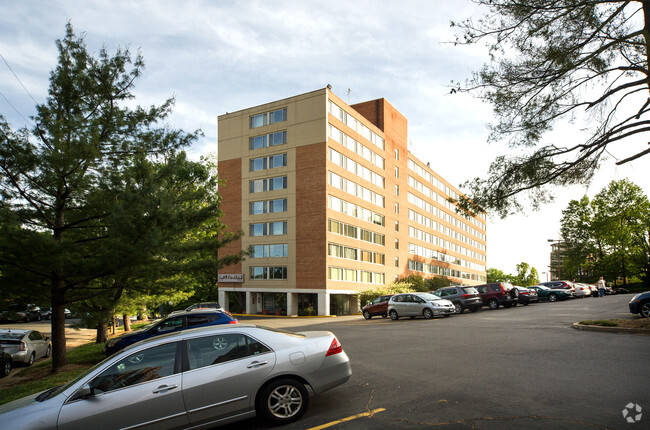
<point x="462" y="297"/>
<point x="593" y="289"/>
<point x="202" y="306"/>
<point x="48" y="314"/>
<point x="582" y="290"/>
<point x="552" y="294"/>
<point x="498" y="294"/>
<point x="21" y="312"/>
<point x="418" y="304"/>
<point x="195" y="378"/>
<point x="640" y="304"/>
<point x="378" y="307"/>
<point x="5" y="364"/>
<point x="564" y="285"/>
<point x="621" y="290"/>
<point x="25" y="346"/>
<point x="526" y="296"/>
<point x="176" y="322"/>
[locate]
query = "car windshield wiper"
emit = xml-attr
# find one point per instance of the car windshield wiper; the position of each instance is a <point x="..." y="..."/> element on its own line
<point x="46" y="394"/>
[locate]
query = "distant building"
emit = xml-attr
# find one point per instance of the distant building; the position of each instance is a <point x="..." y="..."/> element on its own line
<point x="558" y="254"/>
<point x="332" y="202"/>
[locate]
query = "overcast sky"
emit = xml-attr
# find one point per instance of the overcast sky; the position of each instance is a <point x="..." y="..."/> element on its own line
<point x="222" y="56"/>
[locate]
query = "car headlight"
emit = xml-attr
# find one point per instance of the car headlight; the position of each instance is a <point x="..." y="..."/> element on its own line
<point x="634" y="298"/>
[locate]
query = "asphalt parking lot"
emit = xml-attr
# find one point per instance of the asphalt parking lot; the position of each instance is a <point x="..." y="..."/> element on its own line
<point x="523" y="367"/>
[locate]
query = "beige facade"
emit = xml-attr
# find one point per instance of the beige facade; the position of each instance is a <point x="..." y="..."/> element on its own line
<point x="332" y="202"/>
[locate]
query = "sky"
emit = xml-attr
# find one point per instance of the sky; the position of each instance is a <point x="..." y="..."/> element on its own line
<point x="222" y="56"/>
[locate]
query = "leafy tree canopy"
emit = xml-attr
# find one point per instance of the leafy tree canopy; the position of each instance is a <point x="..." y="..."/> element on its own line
<point x="555" y="60"/>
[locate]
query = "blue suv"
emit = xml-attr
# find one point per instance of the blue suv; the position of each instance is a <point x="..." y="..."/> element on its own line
<point x="173" y="323"/>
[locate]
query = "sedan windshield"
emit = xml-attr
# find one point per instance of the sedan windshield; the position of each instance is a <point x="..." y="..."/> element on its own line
<point x="428" y="297"/>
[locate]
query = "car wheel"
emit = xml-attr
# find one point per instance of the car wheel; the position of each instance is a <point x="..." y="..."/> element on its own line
<point x="458" y="308"/>
<point x="493" y="304"/>
<point x="393" y="315"/>
<point x="514" y="293"/>
<point x="48" y="351"/>
<point x="283" y="401"/>
<point x="552" y="298"/>
<point x="6" y="369"/>
<point x="475" y="309"/>
<point x="427" y="313"/>
<point x="31" y="359"/>
<point x="367" y="315"/>
<point x="644" y="310"/>
<point x="384" y="315"/>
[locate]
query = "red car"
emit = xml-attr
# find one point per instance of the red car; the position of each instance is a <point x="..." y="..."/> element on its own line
<point x="378" y="307"/>
<point x="498" y="294"/>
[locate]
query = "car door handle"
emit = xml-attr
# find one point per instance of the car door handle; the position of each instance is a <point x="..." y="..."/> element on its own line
<point x="255" y="364"/>
<point x="164" y="388"/>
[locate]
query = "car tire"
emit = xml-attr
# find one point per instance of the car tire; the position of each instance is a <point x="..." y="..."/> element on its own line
<point x="644" y="310"/>
<point x="552" y="297"/>
<point x="31" y="359"/>
<point x="367" y="315"/>
<point x="493" y="304"/>
<point x="48" y="351"/>
<point x="458" y="308"/>
<point x="6" y="369"/>
<point x="514" y="293"/>
<point x="427" y="313"/>
<point x="393" y="315"/>
<point x="283" y="401"/>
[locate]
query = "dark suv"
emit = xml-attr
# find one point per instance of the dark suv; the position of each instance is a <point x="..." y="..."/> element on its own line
<point x="378" y="307"/>
<point x="462" y="297"/>
<point x="498" y="293"/>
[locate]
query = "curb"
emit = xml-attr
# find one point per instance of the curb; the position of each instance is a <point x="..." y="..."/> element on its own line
<point x="625" y="330"/>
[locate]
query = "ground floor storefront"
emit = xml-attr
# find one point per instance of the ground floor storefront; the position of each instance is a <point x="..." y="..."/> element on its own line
<point x="294" y="302"/>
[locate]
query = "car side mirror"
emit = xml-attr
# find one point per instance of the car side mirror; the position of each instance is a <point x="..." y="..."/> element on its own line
<point x="85" y="391"/>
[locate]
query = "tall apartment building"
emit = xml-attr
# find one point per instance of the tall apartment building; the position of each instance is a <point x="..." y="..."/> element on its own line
<point x="331" y="203"/>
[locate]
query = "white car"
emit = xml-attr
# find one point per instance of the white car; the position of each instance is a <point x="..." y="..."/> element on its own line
<point x="25" y="346"/>
<point x="418" y="304"/>
<point x="582" y="290"/>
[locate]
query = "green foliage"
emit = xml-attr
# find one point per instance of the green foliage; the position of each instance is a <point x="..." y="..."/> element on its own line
<point x="496" y="275"/>
<point x="525" y="276"/>
<point x="368" y="296"/>
<point x="423" y="285"/>
<point x="555" y="61"/>
<point x="610" y="235"/>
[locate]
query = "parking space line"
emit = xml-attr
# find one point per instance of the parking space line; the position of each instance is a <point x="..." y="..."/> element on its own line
<point x="350" y="418"/>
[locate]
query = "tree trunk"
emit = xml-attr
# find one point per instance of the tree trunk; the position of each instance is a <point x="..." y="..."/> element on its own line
<point x="59" y="356"/>
<point x="126" y="319"/>
<point x="102" y="332"/>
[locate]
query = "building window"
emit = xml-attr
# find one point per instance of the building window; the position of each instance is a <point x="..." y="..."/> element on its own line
<point x="396" y="208"/>
<point x="397" y="262"/>
<point x="266" y="140"/>
<point x="396" y="172"/>
<point x="396" y="243"/>
<point x="269" y="251"/>
<point x="268" y="206"/>
<point x="268" y="228"/>
<point x="397" y="190"/>
<point x="396" y="225"/>
<point x="267" y="118"/>
<point x="271" y="162"/>
<point x="264" y="272"/>
<point x="396" y="154"/>
<point x="270" y="184"/>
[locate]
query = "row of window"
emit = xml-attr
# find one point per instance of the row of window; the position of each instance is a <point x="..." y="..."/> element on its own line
<point x="421" y="251"/>
<point x="356" y="168"/>
<point x="444" y="202"/>
<point x="270" y="162"/>
<point x="418" y="266"/>
<point x="353" y="210"/>
<point x="353" y="275"/>
<point x="268" y="272"/>
<point x="268" y="206"/>
<point x="438" y="241"/>
<point x="266" y="118"/>
<point x="268" y="184"/>
<point x="277" y="228"/>
<point x="441" y="186"/>
<point x="269" y="251"/>
<point x="358" y="148"/>
<point x="354" y="124"/>
<point x="428" y="207"/>
<point x="355" y="189"/>
<point x="350" y="253"/>
<point x="355" y="232"/>
<point x="266" y="140"/>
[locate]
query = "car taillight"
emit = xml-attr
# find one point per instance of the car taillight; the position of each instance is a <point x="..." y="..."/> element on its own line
<point x="233" y="322"/>
<point x="23" y="346"/>
<point x="335" y="348"/>
<point x="467" y="296"/>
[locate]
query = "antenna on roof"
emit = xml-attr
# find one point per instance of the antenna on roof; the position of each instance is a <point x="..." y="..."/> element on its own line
<point x="349" y="91"/>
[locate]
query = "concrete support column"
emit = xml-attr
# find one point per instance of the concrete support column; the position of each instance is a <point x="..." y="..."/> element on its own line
<point x="323" y="304"/>
<point x="248" y="304"/>
<point x="354" y="304"/>
<point x="292" y="304"/>
<point x="223" y="299"/>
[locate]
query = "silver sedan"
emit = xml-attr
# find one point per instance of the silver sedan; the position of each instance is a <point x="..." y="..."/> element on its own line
<point x="202" y="377"/>
<point x="25" y="346"/>
<point x="418" y="304"/>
